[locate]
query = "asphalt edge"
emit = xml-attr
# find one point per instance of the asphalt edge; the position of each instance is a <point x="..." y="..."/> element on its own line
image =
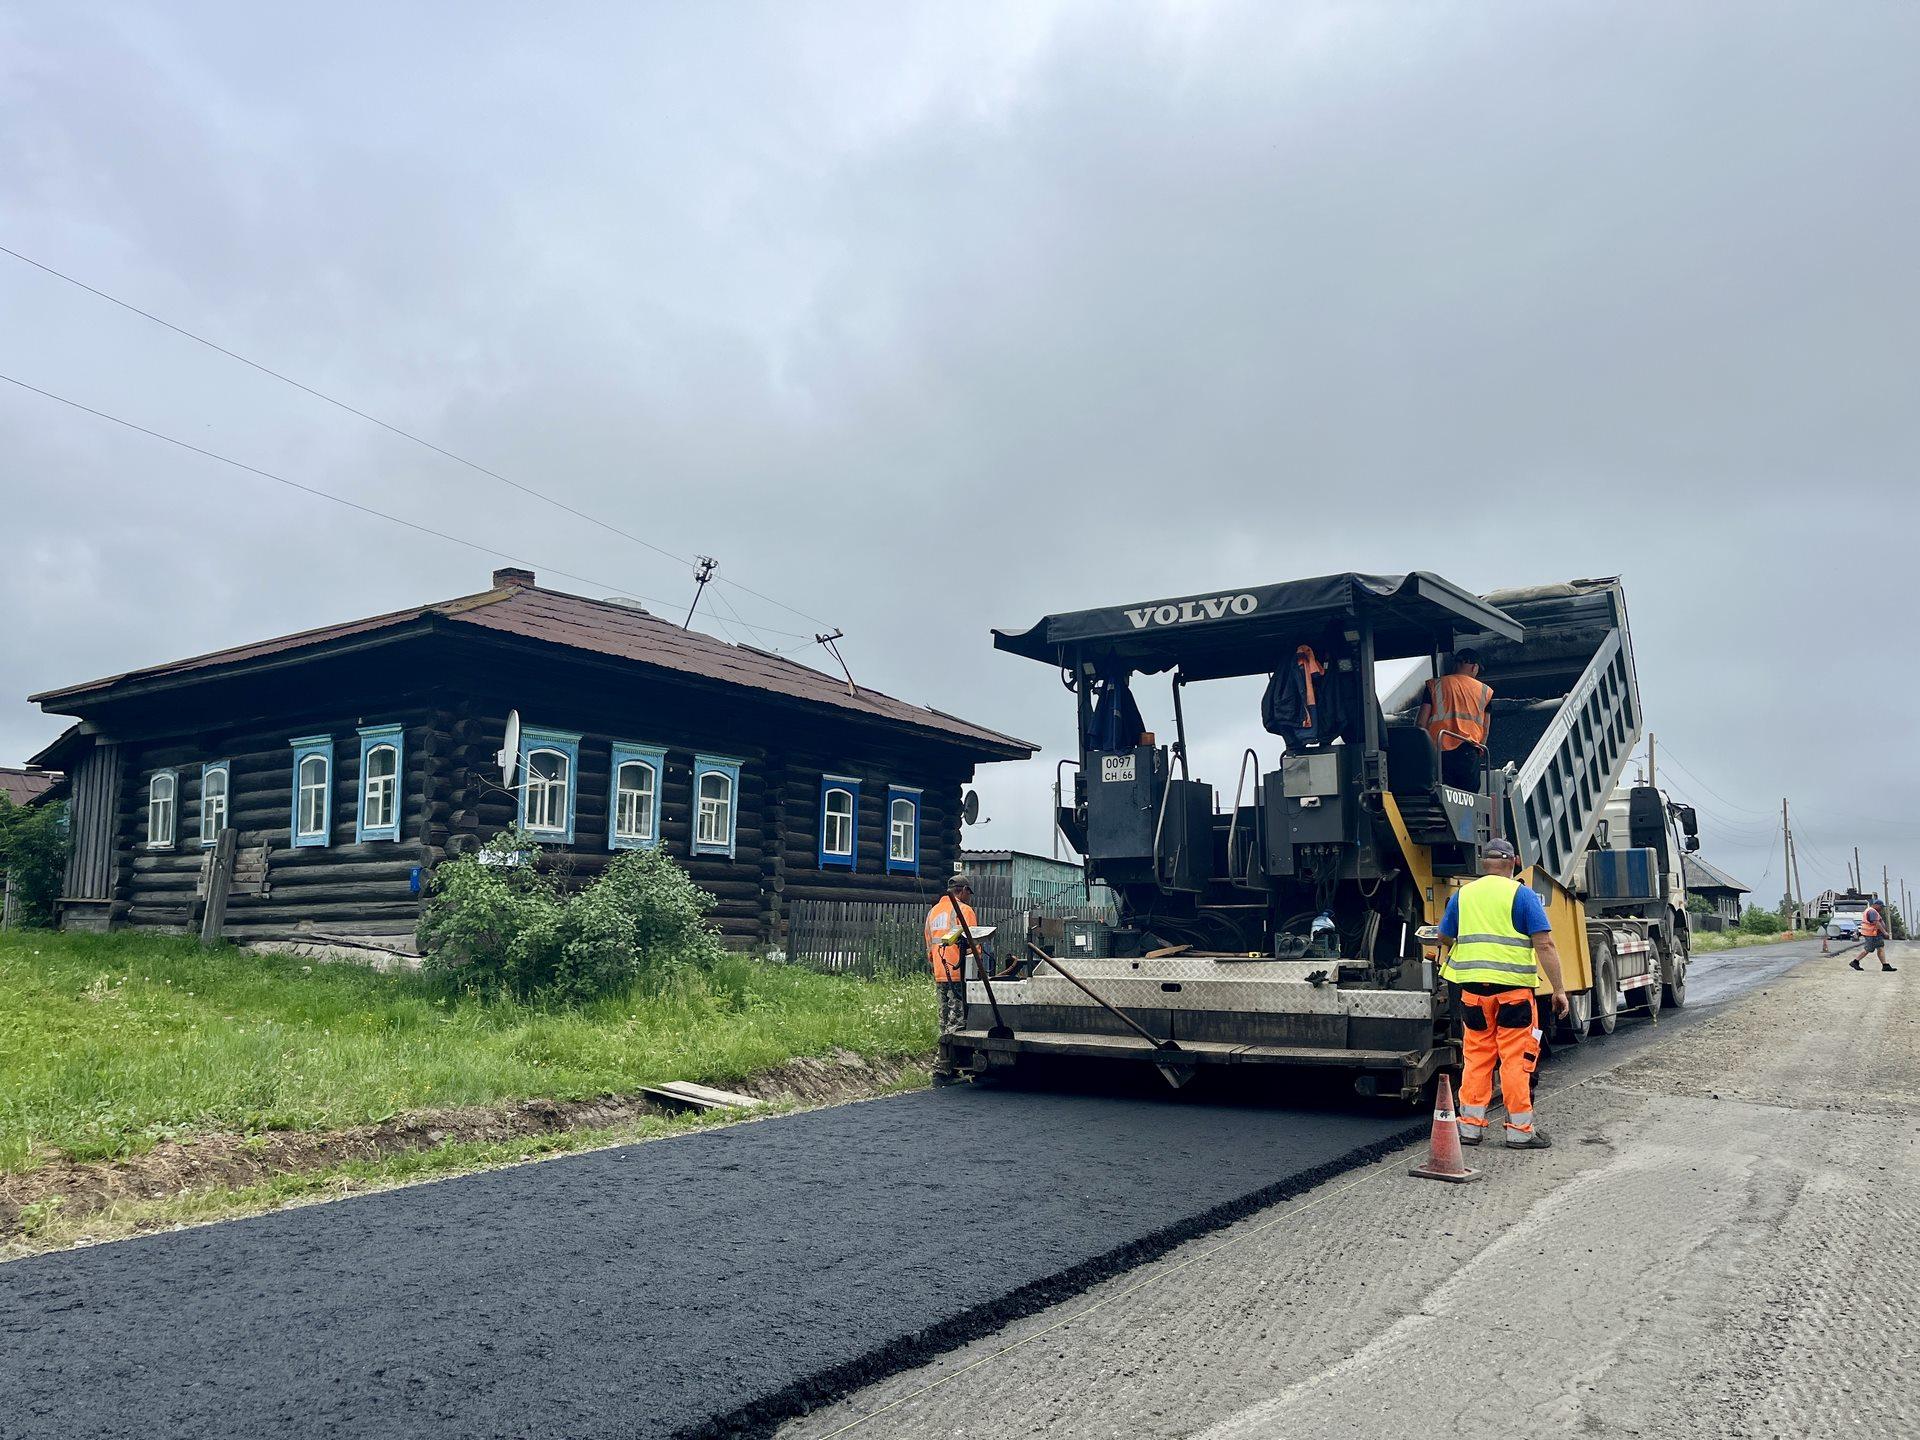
<point x="758" y="1418"/>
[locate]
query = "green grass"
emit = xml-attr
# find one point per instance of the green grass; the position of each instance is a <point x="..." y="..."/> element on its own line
<point x="1705" y="941"/>
<point x="110" y="1043"/>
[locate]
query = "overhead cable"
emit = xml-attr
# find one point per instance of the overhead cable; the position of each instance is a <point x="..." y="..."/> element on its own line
<point x="388" y="426"/>
<point x="482" y="547"/>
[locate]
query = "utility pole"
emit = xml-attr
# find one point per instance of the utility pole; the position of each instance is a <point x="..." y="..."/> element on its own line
<point x="1651" y="780"/>
<point x="1885" y="884"/>
<point x="1859" y="876"/>
<point x="1786" y="864"/>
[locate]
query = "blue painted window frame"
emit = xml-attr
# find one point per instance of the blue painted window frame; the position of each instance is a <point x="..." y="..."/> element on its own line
<point x="704" y="765"/>
<point x="911" y="865"/>
<point x="828" y="859"/>
<point x="564" y="742"/>
<point x="173" y="829"/>
<point x="304" y="749"/>
<point x="371" y="737"/>
<point x="224" y="769"/>
<point x="625" y="752"/>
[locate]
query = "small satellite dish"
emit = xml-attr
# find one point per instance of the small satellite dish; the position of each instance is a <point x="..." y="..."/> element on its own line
<point x="970" y="807"/>
<point x="509" y="756"/>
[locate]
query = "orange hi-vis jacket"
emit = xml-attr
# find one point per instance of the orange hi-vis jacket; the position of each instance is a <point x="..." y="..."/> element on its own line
<point x="1458" y="706"/>
<point x="1870" y="923"/>
<point x="943" y="937"/>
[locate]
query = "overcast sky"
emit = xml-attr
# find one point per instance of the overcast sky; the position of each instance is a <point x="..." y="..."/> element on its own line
<point x="926" y="320"/>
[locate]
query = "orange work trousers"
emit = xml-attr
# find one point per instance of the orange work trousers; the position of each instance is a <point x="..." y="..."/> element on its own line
<point x="1504" y="1030"/>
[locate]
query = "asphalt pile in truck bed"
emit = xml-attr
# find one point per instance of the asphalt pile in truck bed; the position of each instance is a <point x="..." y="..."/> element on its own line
<point x="712" y="1283"/>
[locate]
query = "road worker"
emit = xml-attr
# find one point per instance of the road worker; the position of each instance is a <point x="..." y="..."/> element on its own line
<point x="1455" y="712"/>
<point x="1495" y="943"/>
<point x="951" y="924"/>
<point x="1873" y="938"/>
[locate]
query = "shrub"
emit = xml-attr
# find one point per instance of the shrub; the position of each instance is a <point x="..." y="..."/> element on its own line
<point x="1756" y="921"/>
<point x="507" y="921"/>
<point x="34" y="841"/>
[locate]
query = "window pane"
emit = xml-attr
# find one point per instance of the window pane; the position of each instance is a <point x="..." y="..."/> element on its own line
<point x="901" y="838"/>
<point x="546" y="790"/>
<point x="378" y="805"/>
<point x="313" y="795"/>
<point x="716" y="809"/>
<point x="633" y="812"/>
<point x="837" y="838"/>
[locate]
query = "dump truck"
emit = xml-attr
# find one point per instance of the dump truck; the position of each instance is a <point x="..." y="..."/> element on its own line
<point x="1280" y="923"/>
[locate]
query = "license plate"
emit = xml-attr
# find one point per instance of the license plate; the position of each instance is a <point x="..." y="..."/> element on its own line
<point x="1116" y="767"/>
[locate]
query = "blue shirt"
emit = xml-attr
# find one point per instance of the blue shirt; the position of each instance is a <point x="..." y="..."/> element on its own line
<point x="1529" y="915"/>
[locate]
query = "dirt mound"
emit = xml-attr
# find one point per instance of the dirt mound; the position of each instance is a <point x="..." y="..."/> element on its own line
<point x="219" y="1159"/>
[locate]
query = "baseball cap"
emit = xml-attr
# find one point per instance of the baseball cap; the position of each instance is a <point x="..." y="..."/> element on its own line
<point x="1498" y="849"/>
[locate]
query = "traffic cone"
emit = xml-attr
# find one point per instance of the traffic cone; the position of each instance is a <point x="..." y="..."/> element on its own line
<point x="1443" y="1151"/>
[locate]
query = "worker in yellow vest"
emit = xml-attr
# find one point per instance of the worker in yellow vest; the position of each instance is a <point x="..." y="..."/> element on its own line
<point x="1495" y="942"/>
<point x="950" y="927"/>
<point x="1456" y="712"/>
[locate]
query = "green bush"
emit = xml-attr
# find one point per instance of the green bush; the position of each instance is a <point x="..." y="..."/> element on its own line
<point x="506" y="921"/>
<point x="34" y="841"/>
<point x="1756" y="921"/>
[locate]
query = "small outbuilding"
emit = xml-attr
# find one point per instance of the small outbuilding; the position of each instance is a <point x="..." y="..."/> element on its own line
<point x="350" y="760"/>
<point x="26" y="787"/>
<point x="1716" y="887"/>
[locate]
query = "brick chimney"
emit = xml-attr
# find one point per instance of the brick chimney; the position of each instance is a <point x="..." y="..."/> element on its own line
<point x="513" y="579"/>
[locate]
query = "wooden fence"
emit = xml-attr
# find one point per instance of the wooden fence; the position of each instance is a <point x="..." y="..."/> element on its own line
<point x="876" y="938"/>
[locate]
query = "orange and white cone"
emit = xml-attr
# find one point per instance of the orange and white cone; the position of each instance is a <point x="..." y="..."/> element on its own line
<point x="1444" y="1161"/>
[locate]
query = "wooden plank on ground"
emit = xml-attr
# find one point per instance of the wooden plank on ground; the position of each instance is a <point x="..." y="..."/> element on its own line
<point x="685" y="1095"/>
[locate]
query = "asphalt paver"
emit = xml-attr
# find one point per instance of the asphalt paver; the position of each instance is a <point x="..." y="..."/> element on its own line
<point x="710" y="1283"/>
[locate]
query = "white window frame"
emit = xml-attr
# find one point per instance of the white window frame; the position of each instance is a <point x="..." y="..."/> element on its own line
<point x="909" y="796"/>
<point x="155" y="840"/>
<point x="547" y="794"/>
<point x="654" y="762"/>
<point x="706" y="767"/>
<point x="374" y="739"/>
<point x="310" y="748"/>
<point x="310" y="821"/>
<point x="837" y="846"/>
<point x="555" y="827"/>
<point x="902" y="834"/>
<point x="210" y="832"/>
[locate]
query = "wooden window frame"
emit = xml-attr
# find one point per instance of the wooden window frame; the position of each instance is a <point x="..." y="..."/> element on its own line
<point x="172" y="802"/>
<point x="909" y="796"/>
<point x="312" y="747"/>
<point x="566" y="744"/>
<point x="703" y="766"/>
<point x="224" y="769"/>
<point x="382" y="737"/>
<point x="654" y="757"/>
<point x="830" y="859"/>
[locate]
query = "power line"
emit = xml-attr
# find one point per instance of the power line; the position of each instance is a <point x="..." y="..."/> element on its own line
<point x="1767" y="814"/>
<point x="324" y="494"/>
<point x="385" y="425"/>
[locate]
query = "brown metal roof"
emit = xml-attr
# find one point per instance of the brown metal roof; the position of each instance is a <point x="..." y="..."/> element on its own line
<point x="601" y="627"/>
<point x="23" y="787"/>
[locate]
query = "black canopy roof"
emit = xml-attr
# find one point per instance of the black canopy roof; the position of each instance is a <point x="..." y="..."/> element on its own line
<point x="1247" y="632"/>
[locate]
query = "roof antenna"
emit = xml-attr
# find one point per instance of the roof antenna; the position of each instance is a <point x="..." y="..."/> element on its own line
<point x="834" y="650"/>
<point x="700" y="578"/>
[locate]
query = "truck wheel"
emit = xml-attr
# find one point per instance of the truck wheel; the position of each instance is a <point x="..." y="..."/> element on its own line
<point x="1674" y="972"/>
<point x="1647" y="998"/>
<point x="1605" y="995"/>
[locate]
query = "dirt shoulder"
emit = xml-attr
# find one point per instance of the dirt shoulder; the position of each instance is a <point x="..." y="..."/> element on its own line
<point x="220" y="1175"/>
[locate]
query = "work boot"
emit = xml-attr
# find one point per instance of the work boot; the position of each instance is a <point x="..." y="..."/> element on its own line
<point x="1885" y="968"/>
<point x="1534" y="1139"/>
<point x="1853" y="964"/>
<point x="1472" y="1134"/>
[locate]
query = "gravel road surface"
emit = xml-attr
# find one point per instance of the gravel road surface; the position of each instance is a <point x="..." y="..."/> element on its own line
<point x="1724" y="1243"/>
<point x="645" y="1290"/>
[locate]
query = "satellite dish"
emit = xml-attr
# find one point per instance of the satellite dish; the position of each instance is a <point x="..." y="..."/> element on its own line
<point x="509" y="756"/>
<point x="970" y="807"/>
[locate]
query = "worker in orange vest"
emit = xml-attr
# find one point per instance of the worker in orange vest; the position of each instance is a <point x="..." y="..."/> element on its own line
<point x="951" y="924"/>
<point x="1456" y="713"/>
<point x="1873" y="938"/>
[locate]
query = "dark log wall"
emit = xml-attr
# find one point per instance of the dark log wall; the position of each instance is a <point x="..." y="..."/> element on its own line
<point x="452" y="696"/>
<point x="94" y="796"/>
<point x="346" y="887"/>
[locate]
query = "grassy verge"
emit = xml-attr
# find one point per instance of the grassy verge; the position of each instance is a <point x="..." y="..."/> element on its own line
<point x="1706" y="941"/>
<point x="111" y="1044"/>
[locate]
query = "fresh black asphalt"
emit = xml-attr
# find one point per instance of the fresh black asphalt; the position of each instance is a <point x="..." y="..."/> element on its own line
<point x="707" y="1284"/>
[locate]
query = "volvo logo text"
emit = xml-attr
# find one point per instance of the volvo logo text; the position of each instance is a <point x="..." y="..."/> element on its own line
<point x="1188" y="611"/>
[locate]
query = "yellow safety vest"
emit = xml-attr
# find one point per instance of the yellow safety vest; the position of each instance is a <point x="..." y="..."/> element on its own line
<point x="1488" y="950"/>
